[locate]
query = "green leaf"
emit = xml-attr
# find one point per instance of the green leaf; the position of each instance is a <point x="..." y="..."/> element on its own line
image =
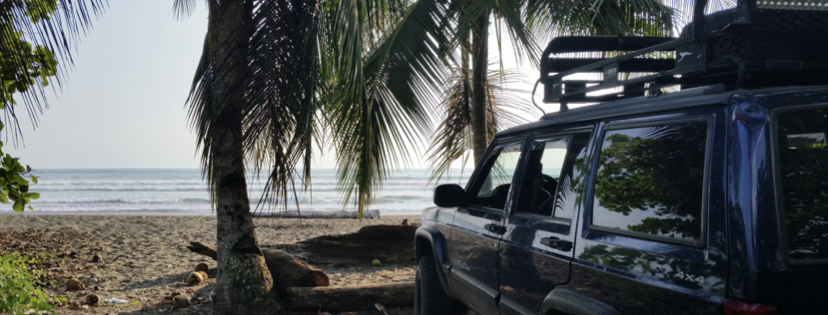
<point x="32" y="195"/>
<point x="20" y="180"/>
<point x="34" y="179"/>
<point x="4" y="198"/>
<point x="18" y="206"/>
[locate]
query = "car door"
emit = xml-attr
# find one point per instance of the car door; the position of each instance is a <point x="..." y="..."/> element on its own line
<point x="477" y="228"/>
<point x="652" y="238"/>
<point x="536" y="250"/>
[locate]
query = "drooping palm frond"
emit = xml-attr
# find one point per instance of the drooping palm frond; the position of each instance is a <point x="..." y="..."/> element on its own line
<point x="283" y="96"/>
<point x="452" y="139"/>
<point x="380" y="117"/>
<point x="36" y="42"/>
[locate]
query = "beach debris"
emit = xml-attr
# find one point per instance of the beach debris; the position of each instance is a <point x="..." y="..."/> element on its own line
<point x="181" y="301"/>
<point x="351" y="298"/>
<point x="404" y="222"/>
<point x="94" y="280"/>
<point x="202" y="267"/>
<point x="75" y="305"/>
<point x="73" y="255"/>
<point x="74" y="285"/>
<point x="204" y="249"/>
<point x="115" y="301"/>
<point x="172" y="294"/>
<point x="376" y="262"/>
<point x="97" y="258"/>
<point x="92" y="299"/>
<point x="196" y="277"/>
<point x="381" y="308"/>
<point x="288" y="271"/>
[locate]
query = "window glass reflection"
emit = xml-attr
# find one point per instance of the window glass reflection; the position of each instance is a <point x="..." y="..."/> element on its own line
<point x="803" y="159"/>
<point x="650" y="181"/>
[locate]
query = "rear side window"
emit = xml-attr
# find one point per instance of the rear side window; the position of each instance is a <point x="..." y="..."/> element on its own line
<point x="650" y="182"/>
<point x="803" y="166"/>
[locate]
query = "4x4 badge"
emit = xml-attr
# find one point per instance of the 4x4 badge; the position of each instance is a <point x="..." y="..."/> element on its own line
<point x="686" y="276"/>
<point x="683" y="54"/>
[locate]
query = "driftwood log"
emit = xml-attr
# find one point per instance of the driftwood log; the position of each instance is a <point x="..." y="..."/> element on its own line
<point x="350" y="298"/>
<point x="367" y="214"/>
<point x="286" y="270"/>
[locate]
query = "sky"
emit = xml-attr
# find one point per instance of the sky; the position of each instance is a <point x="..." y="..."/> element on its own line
<point x="123" y="104"/>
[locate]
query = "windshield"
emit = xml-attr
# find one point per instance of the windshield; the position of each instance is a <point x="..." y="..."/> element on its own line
<point x="803" y="169"/>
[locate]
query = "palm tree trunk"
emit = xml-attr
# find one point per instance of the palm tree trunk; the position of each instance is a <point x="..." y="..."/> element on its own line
<point x="243" y="279"/>
<point x="465" y="70"/>
<point x="480" y="60"/>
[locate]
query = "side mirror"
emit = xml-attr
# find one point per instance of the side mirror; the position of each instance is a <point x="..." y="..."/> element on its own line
<point x="450" y="195"/>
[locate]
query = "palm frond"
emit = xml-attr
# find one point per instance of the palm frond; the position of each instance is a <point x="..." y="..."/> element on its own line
<point x="282" y="94"/>
<point x="36" y="41"/>
<point x="380" y="116"/>
<point x="551" y="18"/>
<point x="452" y="139"/>
<point x="201" y="112"/>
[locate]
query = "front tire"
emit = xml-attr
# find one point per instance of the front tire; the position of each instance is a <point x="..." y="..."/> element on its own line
<point x="430" y="298"/>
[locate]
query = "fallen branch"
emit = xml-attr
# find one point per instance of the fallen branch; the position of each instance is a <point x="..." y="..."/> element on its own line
<point x="204" y="249"/>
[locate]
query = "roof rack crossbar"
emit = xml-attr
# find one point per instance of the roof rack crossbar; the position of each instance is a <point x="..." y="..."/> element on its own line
<point x="572" y="44"/>
<point x="668" y="46"/>
<point x="630" y="65"/>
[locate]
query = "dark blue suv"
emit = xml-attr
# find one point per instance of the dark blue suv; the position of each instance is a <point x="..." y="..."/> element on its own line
<point x="710" y="200"/>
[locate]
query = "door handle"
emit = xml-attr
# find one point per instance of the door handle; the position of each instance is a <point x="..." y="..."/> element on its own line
<point x="494" y="228"/>
<point x="557" y="243"/>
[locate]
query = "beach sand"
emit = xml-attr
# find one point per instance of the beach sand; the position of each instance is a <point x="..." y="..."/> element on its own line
<point x="145" y="257"/>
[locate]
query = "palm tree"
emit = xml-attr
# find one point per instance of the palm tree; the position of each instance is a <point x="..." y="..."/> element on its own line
<point x="273" y="75"/>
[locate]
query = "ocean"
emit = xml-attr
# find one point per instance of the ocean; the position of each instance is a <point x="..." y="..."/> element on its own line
<point x="182" y="191"/>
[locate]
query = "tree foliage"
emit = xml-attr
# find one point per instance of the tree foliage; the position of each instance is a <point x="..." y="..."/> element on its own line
<point x="658" y="171"/>
<point x="803" y="165"/>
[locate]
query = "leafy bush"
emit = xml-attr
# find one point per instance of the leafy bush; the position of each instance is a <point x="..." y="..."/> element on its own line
<point x="19" y="287"/>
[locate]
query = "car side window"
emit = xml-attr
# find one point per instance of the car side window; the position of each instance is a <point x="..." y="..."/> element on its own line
<point x="495" y="178"/>
<point x="549" y="186"/>
<point x="650" y="182"/>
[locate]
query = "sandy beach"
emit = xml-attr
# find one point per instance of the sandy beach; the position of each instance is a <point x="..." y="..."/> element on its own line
<point x="145" y="258"/>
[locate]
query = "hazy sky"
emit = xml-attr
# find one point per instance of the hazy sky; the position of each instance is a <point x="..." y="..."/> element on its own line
<point x="123" y="104"/>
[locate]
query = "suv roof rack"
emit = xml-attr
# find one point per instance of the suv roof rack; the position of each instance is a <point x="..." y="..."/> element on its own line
<point x="692" y="64"/>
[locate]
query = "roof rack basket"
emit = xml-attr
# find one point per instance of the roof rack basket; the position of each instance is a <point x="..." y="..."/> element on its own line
<point x="691" y="64"/>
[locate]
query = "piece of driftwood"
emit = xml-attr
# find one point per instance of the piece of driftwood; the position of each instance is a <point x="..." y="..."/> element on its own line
<point x="345" y="214"/>
<point x="204" y="249"/>
<point x="350" y="298"/>
<point x="391" y="244"/>
<point x="287" y="271"/>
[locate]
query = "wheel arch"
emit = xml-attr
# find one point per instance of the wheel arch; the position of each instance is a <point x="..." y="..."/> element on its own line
<point x="429" y="241"/>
